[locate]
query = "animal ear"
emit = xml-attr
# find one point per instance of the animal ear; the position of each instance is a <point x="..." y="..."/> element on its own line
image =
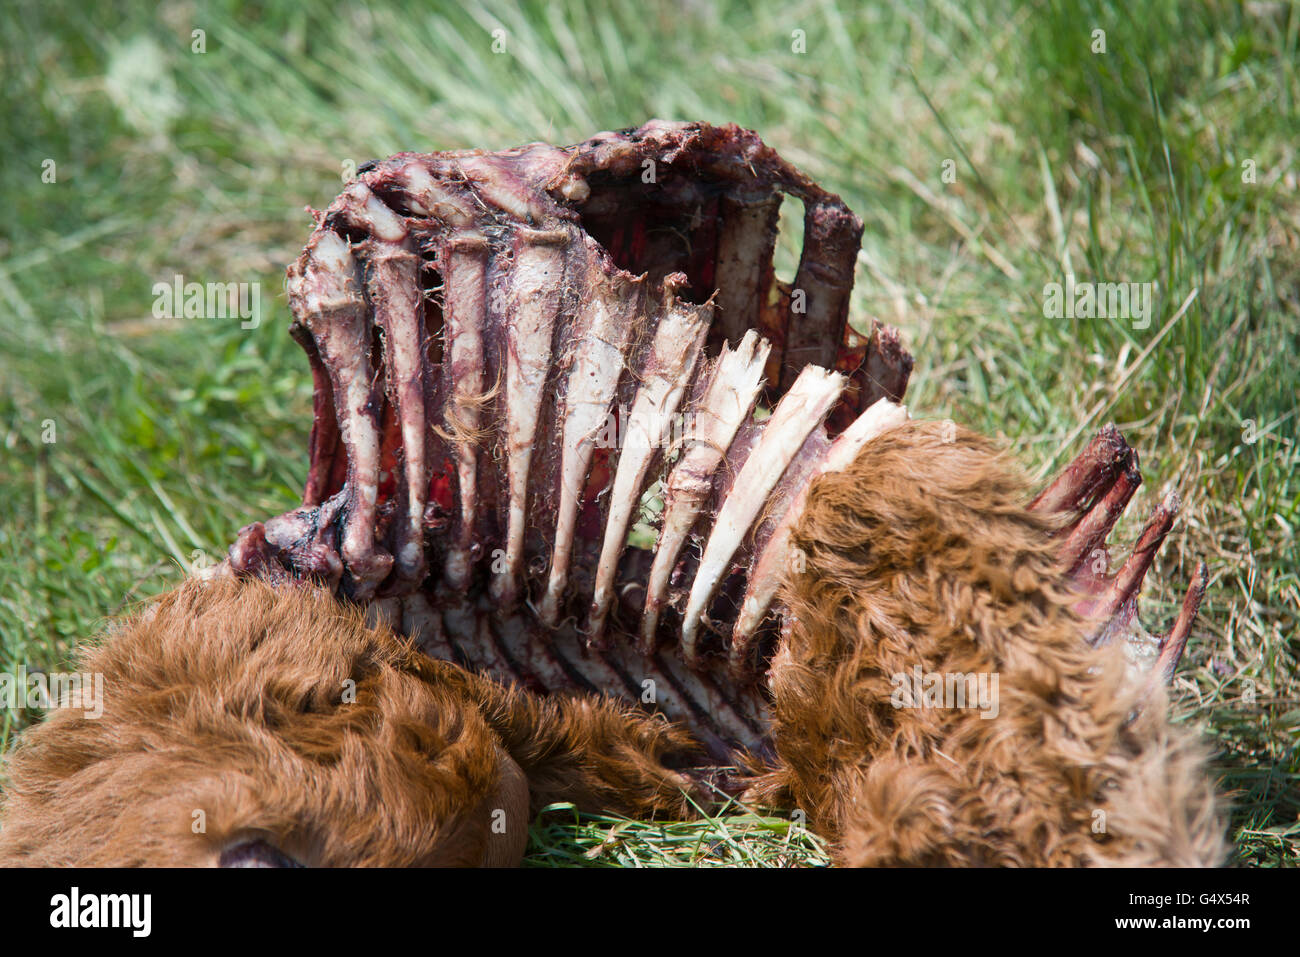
<point x="256" y="853"/>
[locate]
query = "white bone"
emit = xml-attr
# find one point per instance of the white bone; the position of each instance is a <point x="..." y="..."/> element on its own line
<point x="593" y="381"/>
<point x="367" y="210"/>
<point x="746" y="241"/>
<point x="464" y="314"/>
<point x="394" y="287"/>
<point x="538" y="276"/>
<point x="800" y="411"/>
<point x="429" y="197"/>
<point x="496" y="185"/>
<point x="325" y="293"/>
<point x="673" y="357"/>
<point x="768" y="568"/>
<point x="727" y="401"/>
<point x="393" y="282"/>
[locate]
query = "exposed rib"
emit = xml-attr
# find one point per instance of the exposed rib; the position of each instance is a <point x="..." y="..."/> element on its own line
<point x="746" y="241"/>
<point x="832" y="236"/>
<point x="358" y="206"/>
<point x="664" y="380"/>
<point x="728" y="399"/>
<point x="592" y="384"/>
<point x="590" y="664"/>
<point x="500" y="184"/>
<point x="393" y="286"/>
<point x="1171" y="647"/>
<point x="538" y="277"/>
<point x="459" y="627"/>
<point x="385" y="611"/>
<point x="518" y="668"/>
<point x="421" y="622"/>
<point x="1128" y="581"/>
<point x="768" y="569"/>
<point x="323" y="445"/>
<point x="468" y="628"/>
<point x="464" y="314"/>
<point x="1088" y="475"/>
<point x="800" y="411"/>
<point x="888" y="367"/>
<point x="543" y="333"/>
<point x="525" y="642"/>
<point x="325" y="294"/>
<point x="725" y="712"/>
<point x="1090" y="533"/>
<point x="471" y="634"/>
<point x="394" y="289"/>
<point x="878" y="368"/>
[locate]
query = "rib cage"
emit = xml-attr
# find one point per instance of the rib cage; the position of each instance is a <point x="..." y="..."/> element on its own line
<point x="480" y="326"/>
<point x="512" y="352"/>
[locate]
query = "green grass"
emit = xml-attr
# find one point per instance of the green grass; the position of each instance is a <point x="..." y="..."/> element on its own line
<point x="732" y="837"/>
<point x="1122" y="166"/>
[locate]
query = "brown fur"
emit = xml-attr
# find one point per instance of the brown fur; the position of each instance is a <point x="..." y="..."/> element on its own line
<point x="922" y="552"/>
<point x="228" y="698"/>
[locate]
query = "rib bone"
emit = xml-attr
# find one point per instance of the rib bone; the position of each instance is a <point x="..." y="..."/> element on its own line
<point x="325" y="293"/>
<point x="664" y="381"/>
<point x="593" y="383"/>
<point x="538" y="276"/>
<point x="768" y="569"/>
<point x="464" y="313"/>
<point x="726" y="403"/>
<point x="394" y="292"/>
<point x="802" y="409"/>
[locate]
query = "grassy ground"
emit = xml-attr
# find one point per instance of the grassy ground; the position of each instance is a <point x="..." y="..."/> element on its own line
<point x="133" y="447"/>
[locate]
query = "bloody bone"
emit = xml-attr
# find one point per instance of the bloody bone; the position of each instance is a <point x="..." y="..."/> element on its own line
<point x="1094" y="490"/>
<point x="480" y="324"/>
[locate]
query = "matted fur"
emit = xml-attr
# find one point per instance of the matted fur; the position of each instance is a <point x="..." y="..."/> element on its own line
<point x="229" y="698"/>
<point x="922" y="552"/>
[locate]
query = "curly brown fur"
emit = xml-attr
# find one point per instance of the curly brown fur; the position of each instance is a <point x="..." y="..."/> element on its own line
<point x="232" y="699"/>
<point x="922" y="552"/>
